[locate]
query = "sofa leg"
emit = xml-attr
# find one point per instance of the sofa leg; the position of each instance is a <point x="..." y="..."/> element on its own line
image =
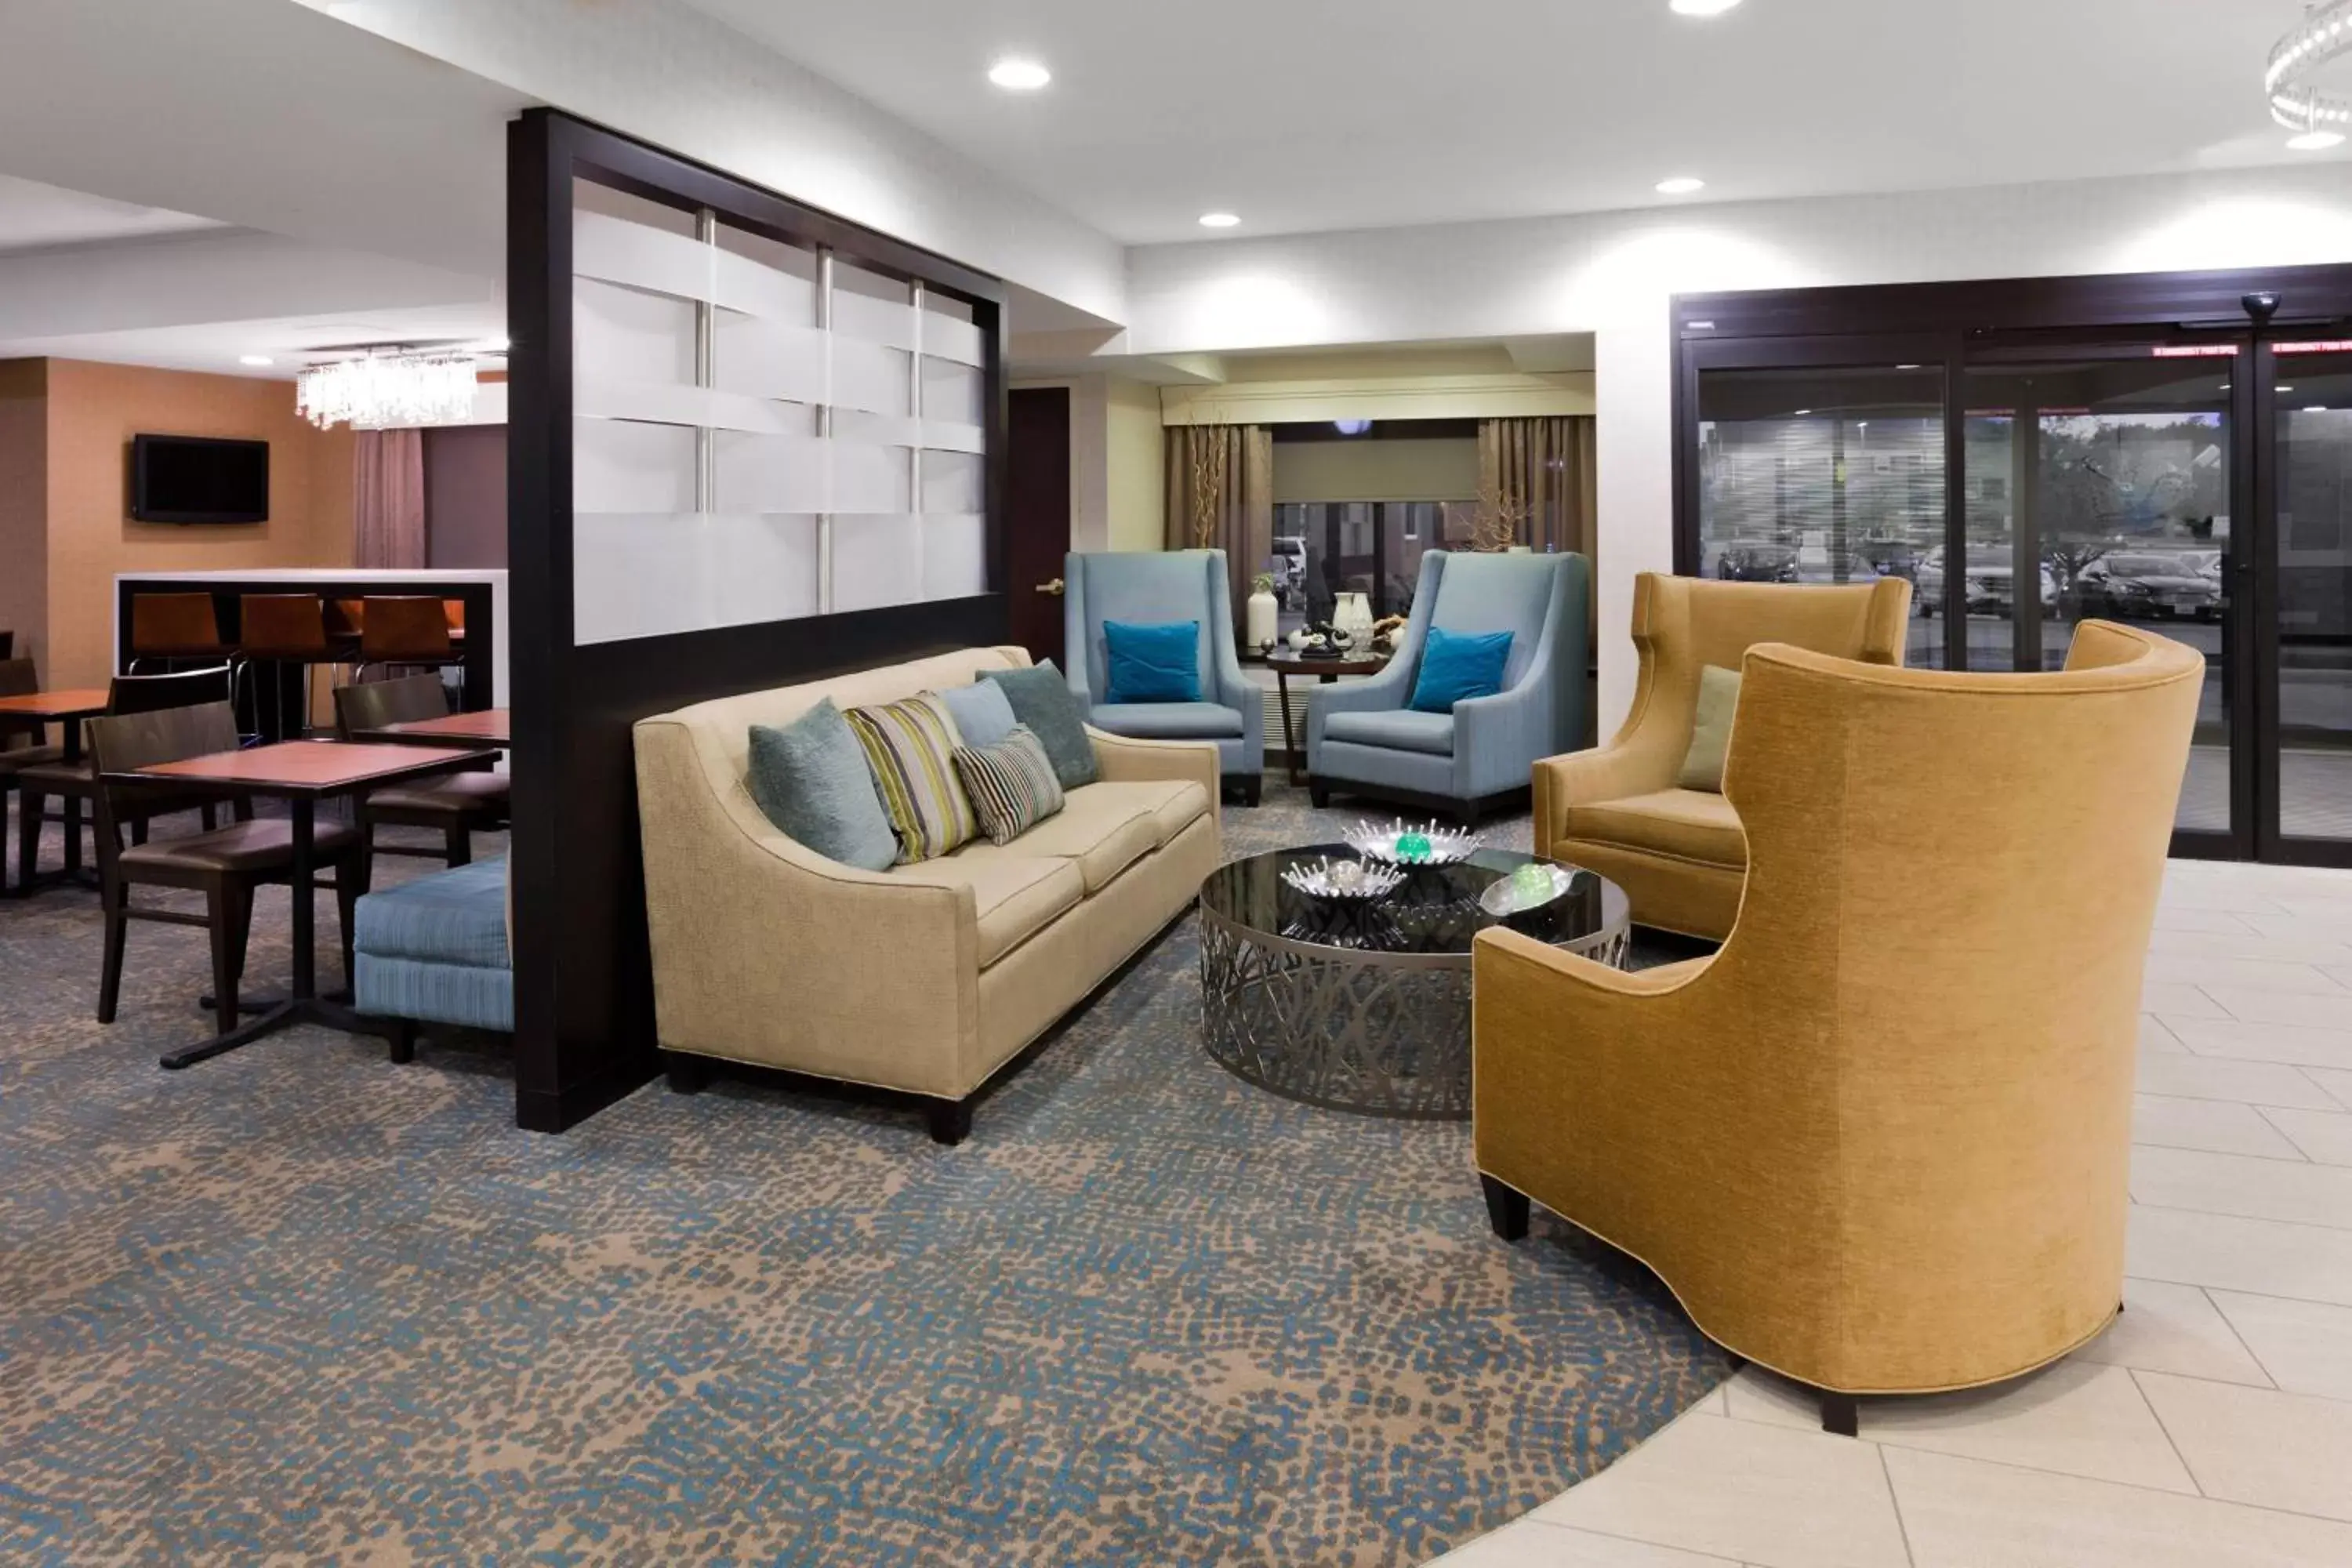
<point x="403" y="1037"/>
<point x="1841" y="1414"/>
<point x="1319" y="792"/>
<point x="950" y="1120"/>
<point x="1254" y="791"/>
<point x="688" y="1074"/>
<point x="1507" y="1208"/>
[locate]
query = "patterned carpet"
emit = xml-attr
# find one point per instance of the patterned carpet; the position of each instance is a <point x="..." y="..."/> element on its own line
<point x="300" y="1305"/>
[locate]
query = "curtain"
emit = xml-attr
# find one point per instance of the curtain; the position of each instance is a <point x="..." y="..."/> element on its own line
<point x="388" y="499"/>
<point x="1542" y="468"/>
<point x="1221" y="497"/>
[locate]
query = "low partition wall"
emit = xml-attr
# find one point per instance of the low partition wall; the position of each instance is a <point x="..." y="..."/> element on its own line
<point x="750" y="445"/>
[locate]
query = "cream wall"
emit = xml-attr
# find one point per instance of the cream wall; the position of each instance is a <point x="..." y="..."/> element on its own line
<point x="92" y="412"/>
<point x="1612" y="274"/>
<point x="1440" y="470"/>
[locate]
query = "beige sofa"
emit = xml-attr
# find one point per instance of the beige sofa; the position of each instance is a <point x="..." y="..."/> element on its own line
<point x="925" y="978"/>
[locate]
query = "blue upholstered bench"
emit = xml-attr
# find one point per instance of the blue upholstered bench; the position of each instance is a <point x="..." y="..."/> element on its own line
<point x="433" y="951"/>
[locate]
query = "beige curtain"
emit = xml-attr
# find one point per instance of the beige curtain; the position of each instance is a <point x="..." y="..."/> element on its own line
<point x="1543" y="467"/>
<point x="388" y="499"/>
<point x="1221" y="497"/>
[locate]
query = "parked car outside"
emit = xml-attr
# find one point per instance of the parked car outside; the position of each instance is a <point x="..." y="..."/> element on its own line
<point x="1991" y="587"/>
<point x="2169" y="585"/>
<point x="1757" y="560"/>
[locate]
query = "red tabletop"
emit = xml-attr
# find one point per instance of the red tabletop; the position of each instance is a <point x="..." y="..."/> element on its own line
<point x="490" y="726"/>
<point x="309" y="767"/>
<point x="79" y="702"/>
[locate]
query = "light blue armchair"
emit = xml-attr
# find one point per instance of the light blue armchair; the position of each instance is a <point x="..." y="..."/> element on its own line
<point x="1154" y="587"/>
<point x="1364" y="739"/>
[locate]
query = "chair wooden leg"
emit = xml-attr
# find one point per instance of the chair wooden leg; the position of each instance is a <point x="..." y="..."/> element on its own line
<point x="240" y="932"/>
<point x="1507" y="1208"/>
<point x="404" y="1040"/>
<point x="110" y="974"/>
<point x="1841" y="1414"/>
<point x="30" y="810"/>
<point x="223" y="918"/>
<point x="687" y="1075"/>
<point x="1318" y="793"/>
<point x="457" y="843"/>
<point x="209" y="814"/>
<point x="351" y="883"/>
<point x="949" y="1120"/>
<point x="1255" y="791"/>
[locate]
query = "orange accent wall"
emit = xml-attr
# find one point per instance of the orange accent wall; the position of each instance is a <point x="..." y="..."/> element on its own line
<point x="93" y="410"/>
<point x="24" y="510"/>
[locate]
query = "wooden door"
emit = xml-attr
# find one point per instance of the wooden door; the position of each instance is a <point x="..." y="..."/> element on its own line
<point x="1037" y="516"/>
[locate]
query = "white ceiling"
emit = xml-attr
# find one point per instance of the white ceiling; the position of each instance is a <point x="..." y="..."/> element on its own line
<point x="32" y="214"/>
<point x="1301" y="115"/>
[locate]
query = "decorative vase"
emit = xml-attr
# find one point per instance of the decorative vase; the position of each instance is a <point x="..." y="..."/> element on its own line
<point x="1353" y="615"/>
<point x="1264" y="620"/>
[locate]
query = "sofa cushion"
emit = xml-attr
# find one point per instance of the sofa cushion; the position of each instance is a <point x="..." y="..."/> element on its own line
<point x="1459" y="665"/>
<point x="1167" y="721"/>
<point x="1693" y="824"/>
<point x="1176" y="804"/>
<point x="1016" y="897"/>
<point x="1042" y="699"/>
<point x="810" y="779"/>
<point x="911" y="750"/>
<point x="1102" y="828"/>
<point x="1396" y="729"/>
<point x="1011" y="783"/>
<point x="456" y="916"/>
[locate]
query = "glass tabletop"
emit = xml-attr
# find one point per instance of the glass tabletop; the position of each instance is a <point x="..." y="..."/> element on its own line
<point x="1434" y="913"/>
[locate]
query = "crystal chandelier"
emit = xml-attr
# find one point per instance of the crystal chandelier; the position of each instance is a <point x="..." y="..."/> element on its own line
<point x="380" y="390"/>
<point x="2325" y="34"/>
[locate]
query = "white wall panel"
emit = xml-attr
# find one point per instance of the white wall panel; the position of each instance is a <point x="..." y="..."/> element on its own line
<point x="629" y="335"/>
<point x="874" y="320"/>
<point x="953" y="394"/>
<point x="870" y="376"/>
<point x="951" y="339"/>
<point x="771" y="293"/>
<point x="869" y="479"/>
<point x="622" y="467"/>
<point x="955" y="555"/>
<point x="876" y="561"/>
<point x="637" y="575"/>
<point x="761" y="568"/>
<point x="787" y="473"/>
<point x="762" y="358"/>
<point x="618" y="251"/>
<point x="952" y="481"/>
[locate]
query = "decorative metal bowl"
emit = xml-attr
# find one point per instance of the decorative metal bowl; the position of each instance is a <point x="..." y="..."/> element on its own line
<point x="1404" y="844"/>
<point x="1334" y="879"/>
<point x="1531" y="886"/>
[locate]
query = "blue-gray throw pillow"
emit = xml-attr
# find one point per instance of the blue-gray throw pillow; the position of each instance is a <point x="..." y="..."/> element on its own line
<point x="1155" y="663"/>
<point x="1042" y="699"/>
<point x="983" y="715"/>
<point x="1459" y="665"/>
<point x="811" y="780"/>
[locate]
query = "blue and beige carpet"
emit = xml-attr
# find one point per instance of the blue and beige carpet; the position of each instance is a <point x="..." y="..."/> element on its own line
<point x="300" y="1305"/>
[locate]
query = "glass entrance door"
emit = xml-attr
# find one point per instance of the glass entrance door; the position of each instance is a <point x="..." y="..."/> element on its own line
<point x="2308" y="679"/>
<point x="2098" y="484"/>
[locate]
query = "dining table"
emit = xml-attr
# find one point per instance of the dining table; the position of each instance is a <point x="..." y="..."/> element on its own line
<point x="484" y="727"/>
<point x="66" y="708"/>
<point x="302" y="773"/>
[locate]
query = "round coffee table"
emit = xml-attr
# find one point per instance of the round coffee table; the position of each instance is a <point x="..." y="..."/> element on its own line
<point x="1364" y="1004"/>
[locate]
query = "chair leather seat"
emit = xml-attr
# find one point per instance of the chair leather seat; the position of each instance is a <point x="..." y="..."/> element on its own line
<point x="57" y="777"/>
<point x="1397" y="729"/>
<point x="467" y="794"/>
<point x="241" y="847"/>
<point x="16" y="762"/>
<point x="1693" y="824"/>
<point x="1167" y="721"/>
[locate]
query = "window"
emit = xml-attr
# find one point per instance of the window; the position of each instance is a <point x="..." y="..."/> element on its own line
<point x="1374" y="548"/>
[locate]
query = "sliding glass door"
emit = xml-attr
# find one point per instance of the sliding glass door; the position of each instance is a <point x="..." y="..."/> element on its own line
<point x="2309" y="676"/>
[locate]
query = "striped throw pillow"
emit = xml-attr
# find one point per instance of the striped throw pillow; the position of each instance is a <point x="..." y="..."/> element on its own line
<point x="910" y="748"/>
<point x="1012" y="784"/>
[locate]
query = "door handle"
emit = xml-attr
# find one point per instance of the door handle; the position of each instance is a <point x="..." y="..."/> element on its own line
<point x="1054" y="587"/>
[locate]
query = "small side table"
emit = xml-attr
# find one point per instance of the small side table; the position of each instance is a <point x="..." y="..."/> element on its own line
<point x="1285" y="664"/>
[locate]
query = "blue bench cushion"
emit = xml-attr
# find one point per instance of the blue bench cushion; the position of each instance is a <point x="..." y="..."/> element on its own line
<point x="1167" y="721"/>
<point x="456" y="916"/>
<point x="1396" y="730"/>
<point x="434" y="992"/>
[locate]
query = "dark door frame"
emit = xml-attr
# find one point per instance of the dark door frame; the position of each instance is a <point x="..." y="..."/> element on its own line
<point x="1035" y="490"/>
<point x="1957" y="324"/>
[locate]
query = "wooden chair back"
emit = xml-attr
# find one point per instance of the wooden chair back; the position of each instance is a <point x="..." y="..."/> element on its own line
<point x="403" y="630"/>
<point x="282" y="626"/>
<point x="373" y="704"/>
<point x="17" y="679"/>
<point x="153" y="693"/>
<point x="122" y="741"/>
<point x="175" y="623"/>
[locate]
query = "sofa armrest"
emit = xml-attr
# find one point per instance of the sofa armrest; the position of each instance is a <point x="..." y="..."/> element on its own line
<point x="1123" y="758"/>
<point x="766" y="952"/>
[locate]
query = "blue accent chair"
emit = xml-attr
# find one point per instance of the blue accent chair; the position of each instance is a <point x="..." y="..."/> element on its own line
<point x="1366" y="739"/>
<point x="1155" y="587"/>
<point x="433" y="951"/>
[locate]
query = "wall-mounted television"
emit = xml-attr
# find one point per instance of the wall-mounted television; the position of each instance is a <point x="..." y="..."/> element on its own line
<point x="196" y="479"/>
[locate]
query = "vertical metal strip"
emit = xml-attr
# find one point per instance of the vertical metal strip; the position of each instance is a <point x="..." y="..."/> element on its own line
<point x="706" y="359"/>
<point x="825" y="430"/>
<point x="915" y="446"/>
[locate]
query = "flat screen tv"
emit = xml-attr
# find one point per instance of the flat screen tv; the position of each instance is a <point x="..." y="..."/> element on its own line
<point x="194" y="478"/>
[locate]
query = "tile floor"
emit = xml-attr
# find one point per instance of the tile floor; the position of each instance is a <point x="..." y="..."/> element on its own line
<point x="2212" y="1427"/>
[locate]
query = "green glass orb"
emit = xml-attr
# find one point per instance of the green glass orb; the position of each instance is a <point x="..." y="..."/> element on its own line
<point x="1413" y="847"/>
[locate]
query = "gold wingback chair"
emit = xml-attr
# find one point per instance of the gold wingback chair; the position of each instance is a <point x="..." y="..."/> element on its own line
<point x="1879" y="1142"/>
<point x="1678" y="853"/>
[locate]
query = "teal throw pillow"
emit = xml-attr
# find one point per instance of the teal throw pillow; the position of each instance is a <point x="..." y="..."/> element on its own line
<point x="1459" y="665"/>
<point x="1158" y="663"/>
<point x="982" y="715"/>
<point x="1041" y="699"/>
<point x="811" y="780"/>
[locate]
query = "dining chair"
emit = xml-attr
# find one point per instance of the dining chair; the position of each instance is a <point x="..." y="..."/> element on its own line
<point x="456" y="805"/>
<point x="176" y="626"/>
<point x="20" y="747"/>
<point x="403" y="630"/>
<point x="39" y="783"/>
<point x="225" y="864"/>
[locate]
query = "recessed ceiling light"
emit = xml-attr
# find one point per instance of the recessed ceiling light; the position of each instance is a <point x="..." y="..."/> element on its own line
<point x="1802" y="412"/>
<point x="2282" y="389"/>
<point x="1680" y="186"/>
<point x="2317" y="408"/>
<point x="2316" y="141"/>
<point x="1218" y="220"/>
<point x="1702" y="7"/>
<point x="1015" y="75"/>
<point x="1906" y="367"/>
<point x="257" y="361"/>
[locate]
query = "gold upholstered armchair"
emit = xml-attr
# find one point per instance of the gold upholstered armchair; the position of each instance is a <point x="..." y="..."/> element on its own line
<point x="1878" y="1142"/>
<point x="1678" y="853"/>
